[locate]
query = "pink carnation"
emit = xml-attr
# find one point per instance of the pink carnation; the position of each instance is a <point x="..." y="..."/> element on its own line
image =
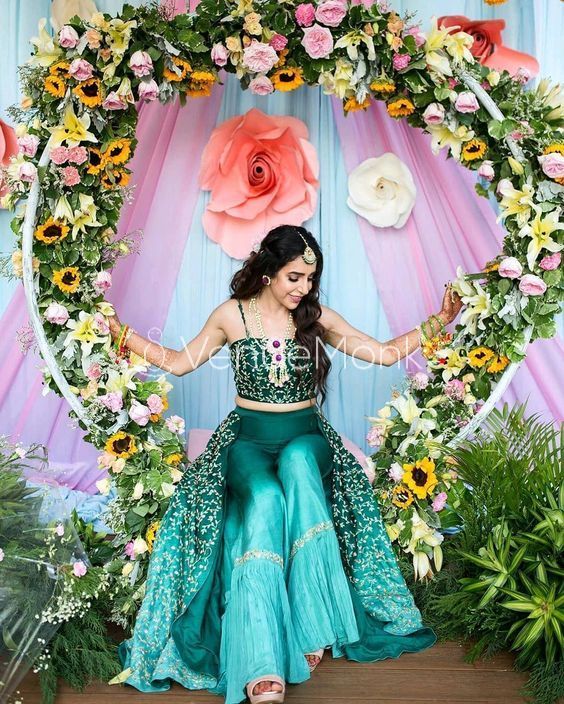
<point x="550" y="262"/>
<point x="56" y="313"/>
<point x="375" y="436"/>
<point x="317" y="41"/>
<point x="28" y="144"/>
<point x="396" y="472"/>
<point x="102" y="282"/>
<point x="139" y="413"/>
<point x="305" y="14"/>
<point x="261" y="85"/>
<point x="79" y="568"/>
<point x="112" y="400"/>
<point x="401" y="61"/>
<point x="94" y="371"/>
<point x="130" y="550"/>
<point x="278" y="42"/>
<point x="331" y="13"/>
<point x="259" y="57"/>
<point x="81" y="70"/>
<point x="27" y="172"/>
<point x="419" y="381"/>
<point x="59" y="155"/>
<point x="531" y="285"/>
<point x="455" y="389"/>
<point x="70" y="176"/>
<point x="439" y="501"/>
<point x="155" y="403"/>
<point x="78" y="155"/>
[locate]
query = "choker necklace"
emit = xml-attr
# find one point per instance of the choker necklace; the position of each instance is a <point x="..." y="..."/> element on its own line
<point x="278" y="372"/>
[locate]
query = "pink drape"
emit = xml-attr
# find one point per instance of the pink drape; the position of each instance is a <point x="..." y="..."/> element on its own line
<point x="143" y="284"/>
<point x="449" y="226"/>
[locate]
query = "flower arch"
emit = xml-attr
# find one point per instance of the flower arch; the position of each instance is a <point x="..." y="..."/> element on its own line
<point x="76" y="131"/>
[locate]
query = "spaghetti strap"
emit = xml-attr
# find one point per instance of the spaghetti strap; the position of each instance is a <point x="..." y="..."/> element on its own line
<point x="243" y="316"/>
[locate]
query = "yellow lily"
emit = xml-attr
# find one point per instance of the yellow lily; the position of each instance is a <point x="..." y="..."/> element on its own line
<point x="458" y="46"/>
<point x="119" y="36"/>
<point x="435" y="56"/>
<point x="516" y="202"/>
<point x="351" y="41"/>
<point x="477" y="308"/>
<point x="85" y="216"/>
<point x="444" y="136"/>
<point x="539" y="230"/>
<point x="407" y="408"/>
<point x="48" y="51"/>
<point x="84" y="331"/>
<point x="74" y="129"/>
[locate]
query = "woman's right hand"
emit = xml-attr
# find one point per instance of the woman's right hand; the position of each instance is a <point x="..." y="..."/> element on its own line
<point x="115" y="325"/>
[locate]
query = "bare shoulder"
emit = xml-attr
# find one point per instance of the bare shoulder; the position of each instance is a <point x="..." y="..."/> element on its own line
<point x="328" y="317"/>
<point x="228" y="318"/>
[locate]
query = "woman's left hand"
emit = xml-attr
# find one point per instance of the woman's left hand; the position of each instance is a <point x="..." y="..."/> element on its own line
<point x="452" y="303"/>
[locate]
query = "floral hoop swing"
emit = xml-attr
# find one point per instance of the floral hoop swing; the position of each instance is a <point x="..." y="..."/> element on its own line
<point x="79" y="115"/>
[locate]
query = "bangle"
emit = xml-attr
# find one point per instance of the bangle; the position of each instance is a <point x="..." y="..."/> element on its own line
<point x="124" y="335"/>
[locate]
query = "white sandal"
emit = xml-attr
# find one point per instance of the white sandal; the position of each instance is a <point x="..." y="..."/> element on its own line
<point x="319" y="654"/>
<point x="266" y="697"/>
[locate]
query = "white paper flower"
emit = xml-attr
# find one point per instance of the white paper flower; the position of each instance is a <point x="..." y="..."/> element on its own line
<point x="382" y="190"/>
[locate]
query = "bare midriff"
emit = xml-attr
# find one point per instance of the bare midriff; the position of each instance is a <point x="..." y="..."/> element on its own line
<point x="275" y="407"/>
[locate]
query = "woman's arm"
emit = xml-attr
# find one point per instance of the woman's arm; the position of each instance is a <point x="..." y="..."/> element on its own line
<point x="347" y="339"/>
<point x="205" y="345"/>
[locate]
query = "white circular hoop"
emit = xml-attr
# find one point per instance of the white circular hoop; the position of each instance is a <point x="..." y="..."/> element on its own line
<point x="76" y="404"/>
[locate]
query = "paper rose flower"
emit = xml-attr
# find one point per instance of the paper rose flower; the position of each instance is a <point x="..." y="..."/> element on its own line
<point x="262" y="172"/>
<point x="8" y="147"/>
<point x="382" y="190"/>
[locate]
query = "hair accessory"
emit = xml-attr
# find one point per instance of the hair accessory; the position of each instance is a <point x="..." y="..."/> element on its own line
<point x="309" y="255"/>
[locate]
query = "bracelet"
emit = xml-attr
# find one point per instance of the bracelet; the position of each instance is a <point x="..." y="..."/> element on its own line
<point x="124" y="335"/>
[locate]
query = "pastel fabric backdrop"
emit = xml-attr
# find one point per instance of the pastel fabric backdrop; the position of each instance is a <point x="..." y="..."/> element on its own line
<point x="382" y="281"/>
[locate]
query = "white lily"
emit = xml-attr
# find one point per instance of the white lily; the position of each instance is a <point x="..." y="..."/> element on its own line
<point x="164" y="385"/>
<point x="423" y="533"/>
<point x="478" y="307"/>
<point x="539" y="230"/>
<point x="351" y="42"/>
<point x="383" y="418"/>
<point x="84" y="331"/>
<point x="516" y="202"/>
<point x="85" y="216"/>
<point x="120" y="381"/>
<point x="435" y="43"/>
<point x="48" y="50"/>
<point x="407" y="407"/>
<point x="449" y="136"/>
<point x="63" y="210"/>
<point x="458" y="46"/>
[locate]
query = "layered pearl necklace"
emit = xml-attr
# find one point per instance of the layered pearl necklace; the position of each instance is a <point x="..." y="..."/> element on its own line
<point x="278" y="371"/>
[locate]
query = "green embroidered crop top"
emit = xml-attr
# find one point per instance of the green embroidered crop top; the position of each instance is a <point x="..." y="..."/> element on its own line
<point x="251" y="362"/>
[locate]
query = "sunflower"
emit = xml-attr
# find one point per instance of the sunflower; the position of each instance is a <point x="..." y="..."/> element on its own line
<point x="352" y="104"/>
<point x="479" y="356"/>
<point x="55" y="85"/>
<point x="154" y="417"/>
<point x="402" y="496"/>
<point x="52" y="231"/>
<point x="164" y="399"/>
<point x="286" y="79"/>
<point x="494" y="2"/>
<point x="150" y="535"/>
<point x="67" y="279"/>
<point x="60" y="69"/>
<point x="383" y="85"/>
<point x="498" y="363"/>
<point x="121" y="444"/>
<point x="557" y="147"/>
<point x="474" y="149"/>
<point x="400" y="107"/>
<point x="174" y="459"/>
<point x="420" y="477"/>
<point x="96" y="161"/>
<point x="491" y="266"/>
<point x="282" y="58"/>
<point x="198" y="90"/>
<point x="89" y="92"/>
<point x="115" y="179"/>
<point x="184" y="67"/>
<point x="118" y="152"/>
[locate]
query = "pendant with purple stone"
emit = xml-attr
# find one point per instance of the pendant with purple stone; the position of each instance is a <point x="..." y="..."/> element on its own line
<point x="278" y="372"/>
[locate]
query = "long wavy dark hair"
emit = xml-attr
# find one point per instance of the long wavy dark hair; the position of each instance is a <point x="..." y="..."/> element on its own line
<point x="280" y="246"/>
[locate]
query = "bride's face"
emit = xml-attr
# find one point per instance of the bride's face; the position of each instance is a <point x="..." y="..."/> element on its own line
<point x="292" y="282"/>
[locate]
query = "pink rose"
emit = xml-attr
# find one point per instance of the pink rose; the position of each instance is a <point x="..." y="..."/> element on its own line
<point x="114" y="101"/>
<point x="60" y="530"/>
<point x="510" y="268"/>
<point x="27" y="172"/>
<point x="261" y="85"/>
<point x="434" y="114"/>
<point x="331" y="13"/>
<point x="102" y="282"/>
<point x="148" y="90"/>
<point x="455" y="389"/>
<point x="139" y="413"/>
<point x="141" y="63"/>
<point x="452" y="83"/>
<point x="100" y="324"/>
<point x="259" y="57"/>
<point x="68" y="37"/>
<point x="79" y="569"/>
<point x="401" y="61"/>
<point x="113" y="401"/>
<point x="550" y="262"/>
<point x="486" y="170"/>
<point x="219" y="54"/>
<point x="59" y="155"/>
<point x="417" y="34"/>
<point x="94" y="371"/>
<point x="466" y="102"/>
<point x="78" y="155"/>
<point x="317" y="41"/>
<point x="155" y="403"/>
<point x="305" y="14"/>
<point x="262" y="172"/>
<point x="552" y="165"/>
<point x="28" y="144"/>
<point x="175" y="424"/>
<point x="396" y="472"/>
<point x="56" y="313"/>
<point x="439" y="501"/>
<point x="70" y="176"/>
<point x="8" y="149"/>
<point x="531" y="285"/>
<point x="130" y="550"/>
<point x="81" y="70"/>
<point x="278" y="42"/>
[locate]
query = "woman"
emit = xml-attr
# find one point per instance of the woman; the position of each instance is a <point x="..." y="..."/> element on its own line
<point x="272" y="547"/>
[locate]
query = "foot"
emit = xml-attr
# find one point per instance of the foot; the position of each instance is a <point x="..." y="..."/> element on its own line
<point x="313" y="659"/>
<point x="266" y="686"/>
